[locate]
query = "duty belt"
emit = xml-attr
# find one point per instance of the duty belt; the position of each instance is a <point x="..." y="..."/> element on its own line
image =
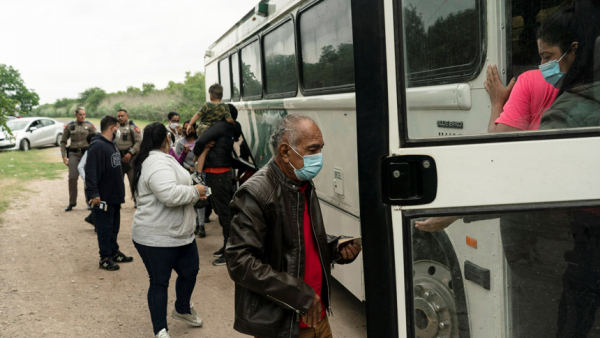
<point x="78" y="151"/>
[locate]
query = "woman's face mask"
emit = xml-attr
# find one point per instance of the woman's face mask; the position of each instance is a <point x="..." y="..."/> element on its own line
<point x="551" y="71"/>
<point x="312" y="166"/>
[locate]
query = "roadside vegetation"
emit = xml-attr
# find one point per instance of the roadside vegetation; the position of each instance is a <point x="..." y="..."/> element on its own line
<point x="143" y="104"/>
<point x="18" y="169"/>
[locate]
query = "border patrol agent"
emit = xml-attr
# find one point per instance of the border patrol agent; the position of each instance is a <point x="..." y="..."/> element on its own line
<point x="77" y="131"/>
<point x="128" y="143"/>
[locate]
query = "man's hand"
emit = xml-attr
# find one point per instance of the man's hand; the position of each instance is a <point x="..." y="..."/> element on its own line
<point x="498" y="93"/>
<point x="66" y="161"/>
<point x="189" y="128"/>
<point x="435" y="224"/>
<point x="94" y="201"/>
<point x="210" y="144"/>
<point x="179" y="130"/>
<point x="313" y="315"/>
<point x="350" y="251"/>
<point x="126" y="158"/>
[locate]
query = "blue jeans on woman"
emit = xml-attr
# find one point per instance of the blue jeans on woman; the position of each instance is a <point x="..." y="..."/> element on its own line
<point x="159" y="263"/>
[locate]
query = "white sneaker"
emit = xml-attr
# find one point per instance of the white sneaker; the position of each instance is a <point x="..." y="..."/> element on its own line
<point x="193" y="319"/>
<point x="163" y="334"/>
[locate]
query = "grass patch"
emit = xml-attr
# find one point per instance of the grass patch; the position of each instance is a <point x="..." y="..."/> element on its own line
<point x="18" y="167"/>
<point x="140" y="123"/>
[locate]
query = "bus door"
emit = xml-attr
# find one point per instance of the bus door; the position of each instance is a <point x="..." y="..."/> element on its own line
<point x="470" y="233"/>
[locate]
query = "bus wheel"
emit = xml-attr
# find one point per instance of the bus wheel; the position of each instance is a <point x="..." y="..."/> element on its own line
<point x="435" y="305"/>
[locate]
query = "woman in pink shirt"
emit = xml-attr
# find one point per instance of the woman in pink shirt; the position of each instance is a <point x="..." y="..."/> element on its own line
<point x="520" y="105"/>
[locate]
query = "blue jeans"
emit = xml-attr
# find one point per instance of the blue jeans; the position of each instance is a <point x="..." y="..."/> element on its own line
<point x="159" y="263"/>
<point x="107" y="225"/>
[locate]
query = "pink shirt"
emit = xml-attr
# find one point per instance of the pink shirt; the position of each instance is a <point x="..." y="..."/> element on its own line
<point x="530" y="98"/>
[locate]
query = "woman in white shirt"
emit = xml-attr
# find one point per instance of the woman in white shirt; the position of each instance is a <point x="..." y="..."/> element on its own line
<point x="163" y="227"/>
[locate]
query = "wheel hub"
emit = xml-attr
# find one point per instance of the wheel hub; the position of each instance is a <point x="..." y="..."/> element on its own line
<point x="435" y="307"/>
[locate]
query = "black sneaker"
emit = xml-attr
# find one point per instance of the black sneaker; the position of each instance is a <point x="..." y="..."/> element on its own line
<point x="108" y="264"/>
<point x="90" y="220"/>
<point x="202" y="232"/>
<point x="220" y="261"/>
<point x="120" y="257"/>
<point x="219" y="252"/>
<point x="206" y="220"/>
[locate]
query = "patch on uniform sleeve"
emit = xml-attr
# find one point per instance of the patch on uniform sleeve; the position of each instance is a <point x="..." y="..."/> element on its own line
<point x="137" y="129"/>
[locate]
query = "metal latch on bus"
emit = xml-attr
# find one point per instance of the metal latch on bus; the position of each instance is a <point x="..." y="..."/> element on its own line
<point x="409" y="180"/>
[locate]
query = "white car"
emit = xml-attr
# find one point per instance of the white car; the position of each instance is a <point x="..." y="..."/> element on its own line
<point x="31" y="132"/>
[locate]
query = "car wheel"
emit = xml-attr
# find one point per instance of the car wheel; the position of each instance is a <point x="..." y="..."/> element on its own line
<point x="58" y="138"/>
<point x="24" y="145"/>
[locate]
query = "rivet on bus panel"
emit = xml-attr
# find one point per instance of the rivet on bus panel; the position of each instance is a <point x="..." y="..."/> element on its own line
<point x="472" y="242"/>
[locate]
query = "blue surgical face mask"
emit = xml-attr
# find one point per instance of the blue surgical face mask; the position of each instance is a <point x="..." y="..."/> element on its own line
<point x="312" y="166"/>
<point x="551" y="71"/>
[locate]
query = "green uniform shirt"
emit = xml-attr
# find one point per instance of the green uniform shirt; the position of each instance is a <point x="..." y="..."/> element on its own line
<point x="131" y="138"/>
<point x="77" y="132"/>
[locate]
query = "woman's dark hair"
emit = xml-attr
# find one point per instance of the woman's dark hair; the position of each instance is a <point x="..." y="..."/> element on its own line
<point x="575" y="21"/>
<point x="154" y="136"/>
<point x="233" y="111"/>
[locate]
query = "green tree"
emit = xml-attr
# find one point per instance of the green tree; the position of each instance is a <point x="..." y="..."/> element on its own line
<point x="134" y="91"/>
<point x="91" y="98"/>
<point x="14" y="96"/>
<point x="148" y="88"/>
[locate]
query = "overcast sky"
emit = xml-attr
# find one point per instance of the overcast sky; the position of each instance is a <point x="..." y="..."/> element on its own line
<point x="62" y="47"/>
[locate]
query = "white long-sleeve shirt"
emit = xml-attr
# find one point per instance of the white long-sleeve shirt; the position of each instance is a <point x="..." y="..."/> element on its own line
<point x="165" y="215"/>
<point x="81" y="166"/>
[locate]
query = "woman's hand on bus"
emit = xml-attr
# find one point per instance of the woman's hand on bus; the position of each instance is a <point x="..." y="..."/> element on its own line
<point x="201" y="190"/>
<point x="350" y="251"/>
<point x="493" y="85"/>
<point x="435" y="224"/>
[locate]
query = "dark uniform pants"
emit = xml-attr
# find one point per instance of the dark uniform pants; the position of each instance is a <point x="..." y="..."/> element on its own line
<point x="128" y="170"/>
<point x="74" y="159"/>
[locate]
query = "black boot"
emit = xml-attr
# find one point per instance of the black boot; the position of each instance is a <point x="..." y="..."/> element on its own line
<point x="202" y="232"/>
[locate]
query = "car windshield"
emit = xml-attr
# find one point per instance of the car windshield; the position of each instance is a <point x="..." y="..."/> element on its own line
<point x="17" y="124"/>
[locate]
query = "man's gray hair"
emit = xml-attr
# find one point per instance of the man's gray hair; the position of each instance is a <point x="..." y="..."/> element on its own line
<point x="286" y="130"/>
<point x="78" y="109"/>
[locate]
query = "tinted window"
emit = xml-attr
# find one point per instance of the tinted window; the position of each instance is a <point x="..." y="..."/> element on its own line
<point x="235" y="75"/>
<point x="47" y="122"/>
<point x="326" y="42"/>
<point x="212" y="75"/>
<point x="443" y="42"/>
<point x="280" y="60"/>
<point x="225" y="79"/>
<point x="251" y="74"/>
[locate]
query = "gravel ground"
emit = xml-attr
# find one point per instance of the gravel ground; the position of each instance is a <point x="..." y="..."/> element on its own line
<point x="51" y="286"/>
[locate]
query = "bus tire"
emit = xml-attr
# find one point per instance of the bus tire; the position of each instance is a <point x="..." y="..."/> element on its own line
<point x="439" y="293"/>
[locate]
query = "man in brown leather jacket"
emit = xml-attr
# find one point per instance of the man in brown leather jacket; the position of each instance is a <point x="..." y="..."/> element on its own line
<point x="278" y="253"/>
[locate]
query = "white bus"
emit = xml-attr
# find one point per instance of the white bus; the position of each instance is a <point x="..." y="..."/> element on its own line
<point x="397" y="88"/>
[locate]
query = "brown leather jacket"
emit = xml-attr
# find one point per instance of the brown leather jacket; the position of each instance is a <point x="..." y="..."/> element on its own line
<point x="265" y="254"/>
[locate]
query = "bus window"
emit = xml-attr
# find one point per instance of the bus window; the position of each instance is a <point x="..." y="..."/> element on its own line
<point x="280" y="61"/>
<point x="326" y="46"/>
<point x="212" y="75"/>
<point x="251" y="72"/>
<point x="225" y="78"/>
<point x="445" y="42"/>
<point x="235" y="77"/>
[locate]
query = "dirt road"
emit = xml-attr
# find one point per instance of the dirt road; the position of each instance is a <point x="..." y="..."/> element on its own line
<point x="51" y="286"/>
